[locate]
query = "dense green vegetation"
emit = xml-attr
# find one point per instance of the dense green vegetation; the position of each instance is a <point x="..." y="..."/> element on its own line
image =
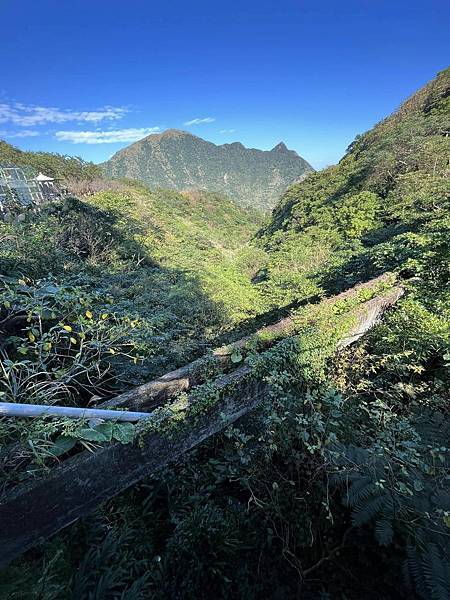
<point x="337" y="487"/>
<point x="105" y="293"/>
<point x="179" y="160"/>
<point x="173" y="264"/>
<point x="391" y="184"/>
<point x="54" y="165"/>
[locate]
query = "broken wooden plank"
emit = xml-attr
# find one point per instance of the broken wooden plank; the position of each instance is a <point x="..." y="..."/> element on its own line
<point x="369" y="314"/>
<point x="149" y="395"/>
<point x="33" y="511"/>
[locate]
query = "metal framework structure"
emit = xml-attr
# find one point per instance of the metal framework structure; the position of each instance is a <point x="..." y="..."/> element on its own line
<point x="18" y="187"/>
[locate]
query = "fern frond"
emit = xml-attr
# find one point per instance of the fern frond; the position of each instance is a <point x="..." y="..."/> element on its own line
<point x="413" y="569"/>
<point x="437" y="571"/>
<point x="356" y="456"/>
<point x="367" y="510"/>
<point x="360" y="490"/>
<point x="429" y="571"/>
<point x="384" y="532"/>
<point x="341" y="477"/>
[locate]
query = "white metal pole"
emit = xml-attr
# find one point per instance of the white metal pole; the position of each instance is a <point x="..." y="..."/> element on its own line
<point x="11" y="409"/>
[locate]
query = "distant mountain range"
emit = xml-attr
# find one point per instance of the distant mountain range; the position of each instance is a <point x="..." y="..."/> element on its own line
<point x="179" y="160"/>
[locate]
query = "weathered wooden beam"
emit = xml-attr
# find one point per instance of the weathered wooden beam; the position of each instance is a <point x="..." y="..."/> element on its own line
<point x="369" y="314"/>
<point x="154" y="393"/>
<point x="33" y="511"/>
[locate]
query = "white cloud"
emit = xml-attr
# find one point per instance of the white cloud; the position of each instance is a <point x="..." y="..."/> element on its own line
<point x="105" y="137"/>
<point x="200" y="121"/>
<point x="31" y="115"/>
<point x="227" y="130"/>
<point x="19" y="134"/>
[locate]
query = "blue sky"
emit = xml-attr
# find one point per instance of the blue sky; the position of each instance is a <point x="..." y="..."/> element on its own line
<point x="87" y="78"/>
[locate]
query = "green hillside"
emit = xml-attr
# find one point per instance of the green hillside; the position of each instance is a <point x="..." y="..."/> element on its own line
<point x="178" y="263"/>
<point x="179" y="160"/>
<point x="54" y="165"/>
<point x="391" y="184"/>
<point x="201" y="234"/>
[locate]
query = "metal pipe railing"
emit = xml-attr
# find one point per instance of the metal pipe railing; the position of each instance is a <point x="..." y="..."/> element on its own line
<point x="11" y="409"/>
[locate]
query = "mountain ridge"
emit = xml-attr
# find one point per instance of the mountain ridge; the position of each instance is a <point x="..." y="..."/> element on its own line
<point x="180" y="160"/>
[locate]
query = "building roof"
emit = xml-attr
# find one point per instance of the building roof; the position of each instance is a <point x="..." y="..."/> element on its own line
<point x="42" y="177"/>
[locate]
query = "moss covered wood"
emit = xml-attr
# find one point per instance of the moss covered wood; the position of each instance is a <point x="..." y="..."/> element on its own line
<point x="152" y="394"/>
<point x="33" y="511"/>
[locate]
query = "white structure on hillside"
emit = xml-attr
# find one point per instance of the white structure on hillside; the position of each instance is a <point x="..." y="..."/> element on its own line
<point x="47" y="186"/>
<point x="21" y="189"/>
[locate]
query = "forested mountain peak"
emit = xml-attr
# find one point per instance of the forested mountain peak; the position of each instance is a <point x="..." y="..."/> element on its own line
<point x="179" y="160"/>
<point x="169" y="133"/>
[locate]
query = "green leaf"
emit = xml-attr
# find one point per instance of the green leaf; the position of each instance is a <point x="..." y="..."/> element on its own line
<point x="92" y="435"/>
<point x="236" y="356"/>
<point x="418" y="485"/>
<point x="123" y="432"/>
<point x="105" y="429"/>
<point x="62" y="444"/>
